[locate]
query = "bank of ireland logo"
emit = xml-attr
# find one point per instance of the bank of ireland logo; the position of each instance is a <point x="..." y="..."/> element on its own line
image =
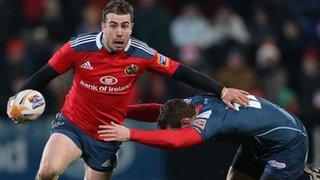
<point x="131" y="69"/>
<point x="108" y="80"/>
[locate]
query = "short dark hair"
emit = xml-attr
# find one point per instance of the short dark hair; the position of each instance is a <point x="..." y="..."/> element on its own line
<point x="120" y="7"/>
<point x="173" y="112"/>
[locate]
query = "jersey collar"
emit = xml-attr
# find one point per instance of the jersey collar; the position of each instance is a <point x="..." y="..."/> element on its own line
<point x="99" y="44"/>
<point x="98" y="40"/>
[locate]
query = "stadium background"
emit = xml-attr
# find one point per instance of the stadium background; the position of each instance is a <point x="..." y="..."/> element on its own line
<point x="270" y="48"/>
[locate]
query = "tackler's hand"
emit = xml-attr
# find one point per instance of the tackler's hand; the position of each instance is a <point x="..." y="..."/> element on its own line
<point x="114" y="132"/>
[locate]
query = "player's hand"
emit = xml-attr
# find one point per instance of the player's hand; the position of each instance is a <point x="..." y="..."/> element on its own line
<point x="114" y="132"/>
<point x="231" y="96"/>
<point x="14" y="111"/>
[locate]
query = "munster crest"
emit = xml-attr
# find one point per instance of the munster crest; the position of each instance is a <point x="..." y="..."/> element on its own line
<point x="131" y="69"/>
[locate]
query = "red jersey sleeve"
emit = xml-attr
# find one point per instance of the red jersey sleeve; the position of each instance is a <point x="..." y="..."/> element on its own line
<point x="148" y="112"/>
<point x="163" y="65"/>
<point x="169" y="138"/>
<point x="62" y="61"/>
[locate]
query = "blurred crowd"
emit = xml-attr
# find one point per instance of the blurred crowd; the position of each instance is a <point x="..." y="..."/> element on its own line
<point x="270" y="48"/>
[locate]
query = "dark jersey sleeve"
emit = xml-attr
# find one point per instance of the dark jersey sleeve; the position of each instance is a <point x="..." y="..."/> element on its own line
<point x="148" y="112"/>
<point x="169" y="138"/>
<point x="197" y="80"/>
<point x="40" y="79"/>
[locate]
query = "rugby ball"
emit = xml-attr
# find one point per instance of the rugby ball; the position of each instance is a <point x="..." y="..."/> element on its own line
<point x="26" y="105"/>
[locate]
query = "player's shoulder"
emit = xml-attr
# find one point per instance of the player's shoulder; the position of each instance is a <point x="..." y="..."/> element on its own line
<point x="89" y="42"/>
<point x="138" y="48"/>
<point x="204" y="98"/>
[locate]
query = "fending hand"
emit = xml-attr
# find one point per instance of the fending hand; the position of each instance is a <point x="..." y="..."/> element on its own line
<point x="114" y="132"/>
<point x="231" y="96"/>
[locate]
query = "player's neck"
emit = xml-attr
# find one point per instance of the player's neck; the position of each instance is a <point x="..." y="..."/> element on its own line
<point x="104" y="43"/>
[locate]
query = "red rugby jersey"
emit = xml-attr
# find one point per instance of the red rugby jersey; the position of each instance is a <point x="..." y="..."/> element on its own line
<point x="102" y="82"/>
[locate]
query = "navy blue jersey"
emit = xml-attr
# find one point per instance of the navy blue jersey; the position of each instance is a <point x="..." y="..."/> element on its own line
<point x="262" y="124"/>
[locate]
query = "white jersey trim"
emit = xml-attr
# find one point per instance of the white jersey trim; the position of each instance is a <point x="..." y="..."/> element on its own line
<point x="98" y="40"/>
<point x="80" y="39"/>
<point x="82" y="42"/>
<point x="128" y="45"/>
<point x="279" y="128"/>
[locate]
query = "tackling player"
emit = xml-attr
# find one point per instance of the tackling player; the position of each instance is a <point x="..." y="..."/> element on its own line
<point x="274" y="142"/>
<point x="106" y="65"/>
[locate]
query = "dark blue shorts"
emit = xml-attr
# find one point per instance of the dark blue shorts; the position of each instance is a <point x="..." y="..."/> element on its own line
<point x="287" y="164"/>
<point x="98" y="155"/>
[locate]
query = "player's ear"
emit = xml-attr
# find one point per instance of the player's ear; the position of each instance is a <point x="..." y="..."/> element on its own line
<point x="185" y="122"/>
<point x="103" y="25"/>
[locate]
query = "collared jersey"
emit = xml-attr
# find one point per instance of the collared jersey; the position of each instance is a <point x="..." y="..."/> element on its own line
<point x="102" y="82"/>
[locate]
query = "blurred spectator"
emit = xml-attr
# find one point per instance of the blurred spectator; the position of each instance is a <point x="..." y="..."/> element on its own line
<point x="5" y="90"/>
<point x="291" y="44"/>
<point x="305" y="8"/>
<point x="237" y="74"/>
<point x="260" y="26"/>
<point x="12" y="22"/>
<point x="33" y="10"/>
<point x="229" y="26"/>
<point x="191" y="28"/>
<point x="54" y="21"/>
<point x="289" y="100"/>
<point x="272" y="74"/>
<point x="309" y="90"/>
<point x="90" y="20"/>
<point x="151" y="24"/>
<point x="15" y="56"/>
<point x="190" y="33"/>
<point x="14" y="64"/>
<point x="277" y="11"/>
<point x="309" y="84"/>
<point x="37" y="39"/>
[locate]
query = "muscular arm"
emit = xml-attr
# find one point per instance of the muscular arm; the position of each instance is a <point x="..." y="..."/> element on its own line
<point x="197" y="80"/>
<point x="169" y="138"/>
<point x="40" y="79"/>
<point x="148" y="112"/>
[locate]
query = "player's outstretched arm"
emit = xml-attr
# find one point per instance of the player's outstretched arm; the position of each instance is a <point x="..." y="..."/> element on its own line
<point x="40" y="79"/>
<point x="200" y="81"/>
<point x="147" y="112"/>
<point x="170" y="138"/>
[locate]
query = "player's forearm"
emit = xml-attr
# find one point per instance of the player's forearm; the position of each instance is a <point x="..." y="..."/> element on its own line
<point x="197" y="80"/>
<point x="181" y="138"/>
<point x="40" y="79"/>
<point x="148" y="112"/>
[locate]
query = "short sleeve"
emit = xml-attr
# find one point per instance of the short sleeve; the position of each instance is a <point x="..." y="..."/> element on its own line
<point x="62" y="61"/>
<point x="163" y="65"/>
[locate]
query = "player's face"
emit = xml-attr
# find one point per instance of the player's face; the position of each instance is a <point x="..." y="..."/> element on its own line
<point x="116" y="31"/>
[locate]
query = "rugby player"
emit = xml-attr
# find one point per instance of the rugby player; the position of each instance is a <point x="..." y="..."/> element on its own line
<point x="274" y="143"/>
<point x="106" y="65"/>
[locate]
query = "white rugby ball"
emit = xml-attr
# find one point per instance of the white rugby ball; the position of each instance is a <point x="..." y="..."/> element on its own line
<point x="28" y="105"/>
